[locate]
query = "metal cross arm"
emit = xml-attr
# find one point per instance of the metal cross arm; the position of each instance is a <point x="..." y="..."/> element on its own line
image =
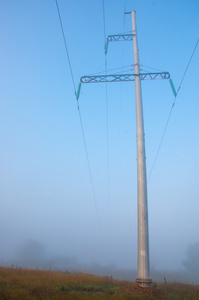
<point x="124" y="77"/>
<point x="148" y="76"/>
<point x="120" y="37"/>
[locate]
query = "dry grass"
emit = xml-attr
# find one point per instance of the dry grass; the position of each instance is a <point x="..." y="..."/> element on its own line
<point x="32" y="284"/>
<point x="178" y="290"/>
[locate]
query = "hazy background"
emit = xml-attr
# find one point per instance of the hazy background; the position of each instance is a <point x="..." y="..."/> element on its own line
<point x="49" y="216"/>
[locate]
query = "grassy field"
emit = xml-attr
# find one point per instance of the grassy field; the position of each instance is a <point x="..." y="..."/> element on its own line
<point x="34" y="284"/>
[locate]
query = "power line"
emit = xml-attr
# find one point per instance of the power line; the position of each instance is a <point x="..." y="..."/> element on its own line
<point x="66" y="48"/>
<point x="108" y="70"/>
<point x="104" y="21"/>
<point x="124" y="15"/>
<point x="188" y="63"/>
<point x="107" y="110"/>
<point x="80" y="117"/>
<point x="88" y="161"/>
<point x="160" y="144"/>
<point x="122" y="85"/>
<point x="151" y="68"/>
<point x="171" y="110"/>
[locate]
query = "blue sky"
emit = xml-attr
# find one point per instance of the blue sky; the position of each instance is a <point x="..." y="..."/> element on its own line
<point x="45" y="188"/>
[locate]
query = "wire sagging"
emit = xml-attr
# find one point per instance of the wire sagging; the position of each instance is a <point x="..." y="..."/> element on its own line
<point x="78" y="107"/>
<point x="171" y="110"/>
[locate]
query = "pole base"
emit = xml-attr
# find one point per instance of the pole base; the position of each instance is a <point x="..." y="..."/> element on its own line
<point x="144" y="282"/>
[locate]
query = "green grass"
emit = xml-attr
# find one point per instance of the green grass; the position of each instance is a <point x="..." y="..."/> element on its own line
<point x="89" y="289"/>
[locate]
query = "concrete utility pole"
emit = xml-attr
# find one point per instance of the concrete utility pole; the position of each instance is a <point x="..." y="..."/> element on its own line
<point x="143" y="273"/>
<point x="143" y="276"/>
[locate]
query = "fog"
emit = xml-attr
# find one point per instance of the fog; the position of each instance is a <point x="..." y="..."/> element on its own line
<point x="34" y="255"/>
<point x="69" y="198"/>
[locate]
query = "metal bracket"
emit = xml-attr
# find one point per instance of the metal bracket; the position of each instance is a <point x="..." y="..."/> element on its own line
<point x="124" y="77"/>
<point x="120" y="37"/>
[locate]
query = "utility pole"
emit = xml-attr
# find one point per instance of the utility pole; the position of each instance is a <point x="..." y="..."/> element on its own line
<point x="143" y="276"/>
<point x="143" y="272"/>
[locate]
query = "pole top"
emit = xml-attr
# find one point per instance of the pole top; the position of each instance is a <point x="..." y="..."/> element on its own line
<point x="129" y="12"/>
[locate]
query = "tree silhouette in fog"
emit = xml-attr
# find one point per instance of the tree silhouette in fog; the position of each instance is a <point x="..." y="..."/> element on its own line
<point x="192" y="261"/>
<point x="31" y="253"/>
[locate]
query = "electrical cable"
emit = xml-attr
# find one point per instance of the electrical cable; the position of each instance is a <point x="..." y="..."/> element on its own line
<point x="114" y="69"/>
<point x="66" y="48"/>
<point x="151" y="68"/>
<point x="88" y="161"/>
<point x="188" y="64"/>
<point x="78" y="107"/>
<point x="124" y="16"/>
<point x="122" y="86"/>
<point x="171" y="110"/>
<point x="104" y="21"/>
<point x="107" y="110"/>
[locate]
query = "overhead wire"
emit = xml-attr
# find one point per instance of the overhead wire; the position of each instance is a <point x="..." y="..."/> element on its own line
<point x="121" y="91"/>
<point x="104" y="23"/>
<point x="151" y="68"/>
<point x="188" y="64"/>
<point x="107" y="108"/>
<point x="109" y="70"/>
<point x="130" y="221"/>
<point x="78" y="107"/>
<point x="120" y="97"/>
<point x="171" y="110"/>
<point x="66" y="48"/>
<point x="122" y="84"/>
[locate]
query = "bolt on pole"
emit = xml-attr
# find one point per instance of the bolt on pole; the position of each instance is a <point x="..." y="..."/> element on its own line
<point x="143" y="273"/>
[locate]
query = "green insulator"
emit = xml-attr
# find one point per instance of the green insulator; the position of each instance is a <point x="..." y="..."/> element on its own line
<point x="78" y="90"/>
<point x="106" y="47"/>
<point x="173" y="88"/>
